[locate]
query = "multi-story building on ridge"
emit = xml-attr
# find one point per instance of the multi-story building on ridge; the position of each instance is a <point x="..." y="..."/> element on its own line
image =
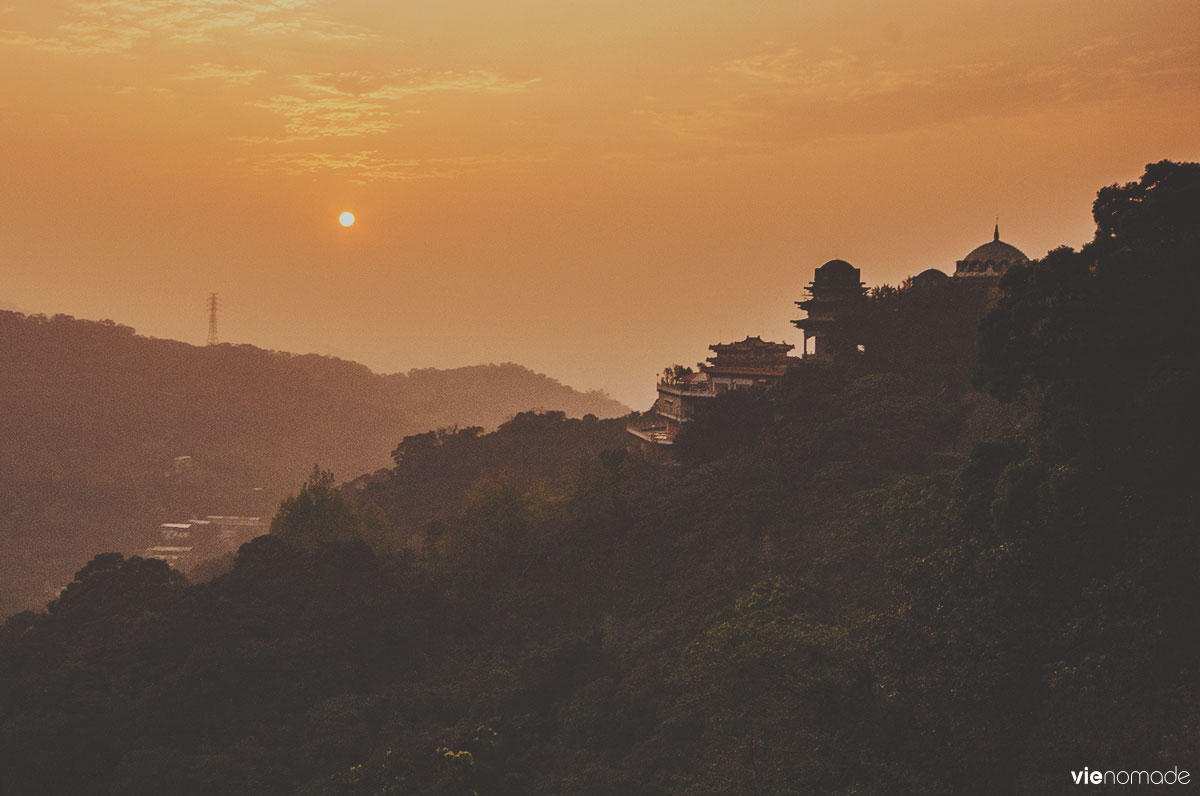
<point x="752" y="362"/>
<point x="748" y="364"/>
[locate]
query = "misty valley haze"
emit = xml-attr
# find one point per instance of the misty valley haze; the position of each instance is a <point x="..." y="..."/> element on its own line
<point x="95" y="416"/>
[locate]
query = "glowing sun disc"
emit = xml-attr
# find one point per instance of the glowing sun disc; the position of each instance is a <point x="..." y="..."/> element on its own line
<point x="346" y="219"/>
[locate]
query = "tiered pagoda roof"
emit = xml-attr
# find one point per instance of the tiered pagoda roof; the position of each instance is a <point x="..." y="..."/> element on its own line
<point x="750" y="357"/>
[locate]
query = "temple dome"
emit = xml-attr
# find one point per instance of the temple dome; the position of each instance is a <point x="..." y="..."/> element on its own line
<point x="837" y="271"/>
<point x="992" y="258"/>
<point x="930" y="277"/>
<point x="997" y="251"/>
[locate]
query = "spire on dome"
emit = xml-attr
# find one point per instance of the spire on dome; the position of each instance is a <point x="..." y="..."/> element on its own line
<point x="991" y="259"/>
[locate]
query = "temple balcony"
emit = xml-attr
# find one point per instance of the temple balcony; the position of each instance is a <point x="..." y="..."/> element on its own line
<point x="648" y="430"/>
<point x="702" y="389"/>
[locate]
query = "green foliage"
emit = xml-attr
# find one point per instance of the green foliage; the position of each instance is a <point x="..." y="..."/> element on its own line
<point x="731" y="421"/>
<point x="435" y="470"/>
<point x="590" y="493"/>
<point x="319" y="515"/>
<point x="930" y="333"/>
<point x="1051" y="597"/>
<point x="503" y="517"/>
<point x="773" y="699"/>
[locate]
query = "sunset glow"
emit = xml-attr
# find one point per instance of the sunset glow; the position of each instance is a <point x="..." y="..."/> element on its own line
<point x="579" y="182"/>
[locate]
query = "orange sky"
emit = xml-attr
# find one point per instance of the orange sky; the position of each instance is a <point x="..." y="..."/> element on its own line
<point x="592" y="188"/>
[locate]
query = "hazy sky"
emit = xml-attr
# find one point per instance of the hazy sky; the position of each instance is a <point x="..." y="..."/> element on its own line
<point x="592" y="188"/>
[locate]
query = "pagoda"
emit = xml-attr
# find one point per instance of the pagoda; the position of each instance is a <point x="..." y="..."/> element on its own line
<point x="835" y="304"/>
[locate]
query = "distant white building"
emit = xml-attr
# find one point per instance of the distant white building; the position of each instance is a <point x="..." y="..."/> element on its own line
<point x="183" y="544"/>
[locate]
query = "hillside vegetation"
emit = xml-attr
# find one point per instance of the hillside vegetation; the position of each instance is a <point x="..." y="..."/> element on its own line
<point x="93" y="416"/>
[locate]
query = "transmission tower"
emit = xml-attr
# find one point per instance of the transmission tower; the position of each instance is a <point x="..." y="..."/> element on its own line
<point x="213" y="307"/>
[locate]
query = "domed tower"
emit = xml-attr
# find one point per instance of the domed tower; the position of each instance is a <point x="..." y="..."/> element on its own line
<point x="991" y="260"/>
<point x="834" y="306"/>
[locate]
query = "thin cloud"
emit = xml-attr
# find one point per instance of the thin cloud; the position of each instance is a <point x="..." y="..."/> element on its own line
<point x="788" y="97"/>
<point x="306" y="118"/>
<point x="403" y="83"/>
<point x="838" y="76"/>
<point x="372" y="166"/>
<point x="74" y="43"/>
<point x="117" y="26"/>
<point x="230" y="75"/>
<point x="791" y="69"/>
<point x="353" y="104"/>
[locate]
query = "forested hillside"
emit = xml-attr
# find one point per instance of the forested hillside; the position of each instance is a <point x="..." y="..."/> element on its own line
<point x="825" y="597"/>
<point x="93" y="417"/>
<point x="435" y="471"/>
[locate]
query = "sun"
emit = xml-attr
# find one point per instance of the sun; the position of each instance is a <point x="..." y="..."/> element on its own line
<point x="346" y="219"/>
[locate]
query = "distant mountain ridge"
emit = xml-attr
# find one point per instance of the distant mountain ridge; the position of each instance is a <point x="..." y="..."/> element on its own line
<point x="94" y="416"/>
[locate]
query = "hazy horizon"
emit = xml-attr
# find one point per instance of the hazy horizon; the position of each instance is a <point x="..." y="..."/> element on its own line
<point x="594" y="192"/>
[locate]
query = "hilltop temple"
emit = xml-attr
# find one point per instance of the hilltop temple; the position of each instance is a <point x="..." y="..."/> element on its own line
<point x="834" y="330"/>
<point x="836" y="304"/>
<point x="747" y="364"/>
